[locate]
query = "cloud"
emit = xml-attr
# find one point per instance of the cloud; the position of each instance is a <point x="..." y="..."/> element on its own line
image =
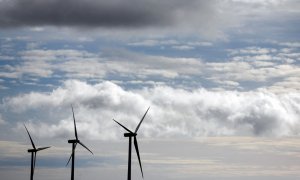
<point x="2" y="87"/>
<point x="183" y="47"/>
<point x="2" y="121"/>
<point x="5" y="57"/>
<point x="148" y="18"/>
<point x="153" y="42"/>
<point x="255" y="64"/>
<point x="192" y="159"/>
<point x="290" y="44"/>
<point x="247" y="72"/>
<point x="173" y="113"/>
<point x="244" y="66"/>
<point x="228" y="84"/>
<point x="169" y="43"/>
<point x="123" y="61"/>
<point x="276" y="146"/>
<point x="93" y="13"/>
<point x="289" y="84"/>
<point x="252" y="50"/>
<point x="86" y="65"/>
<point x="209" y="19"/>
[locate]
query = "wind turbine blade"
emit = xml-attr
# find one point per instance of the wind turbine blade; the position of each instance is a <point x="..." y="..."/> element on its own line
<point x="85" y="146"/>
<point x="123" y="126"/>
<point x="42" y="148"/>
<point x="138" y="154"/>
<point x="74" y="123"/>
<point x="30" y="137"/>
<point x="69" y="160"/>
<point x="71" y="155"/>
<point x="137" y="128"/>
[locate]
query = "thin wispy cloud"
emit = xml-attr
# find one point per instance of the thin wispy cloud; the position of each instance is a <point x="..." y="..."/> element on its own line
<point x="250" y="64"/>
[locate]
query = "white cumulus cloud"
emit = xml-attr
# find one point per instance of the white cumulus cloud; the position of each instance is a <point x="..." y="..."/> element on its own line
<point x="173" y="113"/>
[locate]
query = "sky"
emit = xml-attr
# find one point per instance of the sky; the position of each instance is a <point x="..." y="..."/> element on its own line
<point x="221" y="78"/>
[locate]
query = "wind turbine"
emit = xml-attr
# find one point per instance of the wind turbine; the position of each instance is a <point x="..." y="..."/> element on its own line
<point x="74" y="143"/>
<point x="131" y="134"/>
<point x="33" y="154"/>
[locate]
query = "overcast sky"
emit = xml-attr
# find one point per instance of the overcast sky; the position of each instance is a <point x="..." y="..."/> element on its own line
<point x="222" y="79"/>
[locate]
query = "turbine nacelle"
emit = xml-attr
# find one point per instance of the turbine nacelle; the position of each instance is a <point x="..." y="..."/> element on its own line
<point x="32" y="150"/>
<point x="73" y="141"/>
<point x="130" y="134"/>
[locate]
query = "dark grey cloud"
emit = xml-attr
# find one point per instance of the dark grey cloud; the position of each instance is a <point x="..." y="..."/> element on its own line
<point x="210" y="19"/>
<point x="98" y="13"/>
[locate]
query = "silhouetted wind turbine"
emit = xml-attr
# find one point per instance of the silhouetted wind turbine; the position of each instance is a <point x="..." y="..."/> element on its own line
<point x="33" y="154"/>
<point x="74" y="144"/>
<point x="131" y="134"/>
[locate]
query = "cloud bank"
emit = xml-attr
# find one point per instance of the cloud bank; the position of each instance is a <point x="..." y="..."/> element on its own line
<point x="174" y="112"/>
<point x="205" y="16"/>
<point x="114" y="13"/>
